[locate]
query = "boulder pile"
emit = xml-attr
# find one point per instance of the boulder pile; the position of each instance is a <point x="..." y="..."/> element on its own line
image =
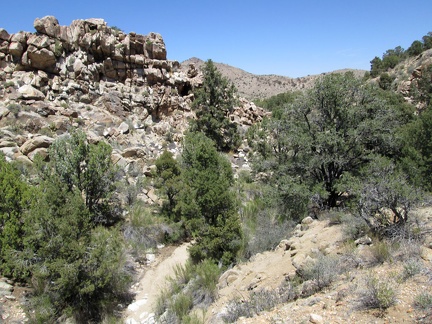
<point x="115" y="86"/>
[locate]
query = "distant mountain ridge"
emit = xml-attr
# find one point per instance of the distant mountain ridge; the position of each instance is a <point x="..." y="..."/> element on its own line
<point x="252" y="86"/>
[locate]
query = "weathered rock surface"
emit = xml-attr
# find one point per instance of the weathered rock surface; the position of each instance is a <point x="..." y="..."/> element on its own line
<point x="117" y="87"/>
<point x="35" y="143"/>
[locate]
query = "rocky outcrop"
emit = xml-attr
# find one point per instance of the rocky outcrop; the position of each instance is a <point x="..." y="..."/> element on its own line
<point x="117" y="87"/>
<point x="87" y="49"/>
<point x="81" y="62"/>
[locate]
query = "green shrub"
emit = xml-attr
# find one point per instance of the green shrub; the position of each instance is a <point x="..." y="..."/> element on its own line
<point x="322" y="271"/>
<point x="264" y="232"/>
<point x="40" y="309"/>
<point x="181" y="305"/>
<point x="193" y="285"/>
<point x="58" y="48"/>
<point x="8" y="84"/>
<point x="408" y="249"/>
<point x="423" y="301"/>
<point x="334" y="217"/>
<point x="14" y="126"/>
<point x="144" y="230"/>
<point x="193" y="319"/>
<point x="258" y="302"/>
<point x="15" y="199"/>
<point x="206" y="203"/>
<point x="204" y="286"/>
<point x="182" y="276"/>
<point x="116" y="30"/>
<point x="411" y="268"/>
<point x="378" y="293"/>
<point x="14" y="109"/>
<point x="162" y="301"/>
<point x="380" y="252"/>
<point x="46" y="131"/>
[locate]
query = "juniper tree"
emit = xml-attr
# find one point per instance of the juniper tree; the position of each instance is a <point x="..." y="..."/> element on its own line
<point x="330" y="131"/>
<point x="213" y="103"/>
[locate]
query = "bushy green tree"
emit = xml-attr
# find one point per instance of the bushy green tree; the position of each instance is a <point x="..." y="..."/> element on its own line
<point x="389" y="60"/>
<point x="427" y="41"/>
<point x="421" y="88"/>
<point x="89" y="169"/>
<point x="385" y="81"/>
<point x="214" y="101"/>
<point x="51" y="234"/>
<point x="332" y="130"/>
<point x="415" y="49"/>
<point x="385" y="197"/>
<point x="417" y="157"/>
<point x="76" y="268"/>
<point x="376" y="67"/>
<point x="277" y="102"/>
<point x="14" y="201"/>
<point x="169" y="183"/>
<point x="206" y="203"/>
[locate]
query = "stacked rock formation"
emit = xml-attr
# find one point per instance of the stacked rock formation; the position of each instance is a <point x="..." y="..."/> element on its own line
<point x="115" y="86"/>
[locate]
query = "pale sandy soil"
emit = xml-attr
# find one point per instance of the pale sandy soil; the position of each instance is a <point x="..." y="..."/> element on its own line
<point x="151" y="283"/>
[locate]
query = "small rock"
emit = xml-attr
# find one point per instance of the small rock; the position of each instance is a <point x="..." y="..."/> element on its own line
<point x="152" y="195"/>
<point x="284" y="245"/>
<point x="316" y="319"/>
<point x="228" y="277"/>
<point x="308" y="220"/>
<point x="313" y="301"/>
<point x="123" y="128"/>
<point x="150" y="257"/>
<point x="4" y="35"/>
<point x="4" y="112"/>
<point x="36" y="142"/>
<point x="5" y="288"/>
<point x="365" y="240"/>
<point x="10" y="297"/>
<point x="131" y="152"/>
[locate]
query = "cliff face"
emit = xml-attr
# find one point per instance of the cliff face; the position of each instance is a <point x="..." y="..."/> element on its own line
<point x="76" y="62"/>
<point x="106" y="53"/>
<point x="116" y="87"/>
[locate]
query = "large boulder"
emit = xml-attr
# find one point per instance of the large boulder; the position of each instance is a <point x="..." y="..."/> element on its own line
<point x="35" y="143"/>
<point x="133" y="152"/>
<point x="155" y="47"/>
<point x="47" y="25"/>
<point x="42" y="59"/>
<point x="28" y="92"/>
<point x="4" y="35"/>
<point x="16" y="49"/>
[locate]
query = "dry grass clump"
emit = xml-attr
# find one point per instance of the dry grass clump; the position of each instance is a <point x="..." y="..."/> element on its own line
<point x="378" y="293"/>
<point x="191" y="287"/>
<point x="259" y="301"/>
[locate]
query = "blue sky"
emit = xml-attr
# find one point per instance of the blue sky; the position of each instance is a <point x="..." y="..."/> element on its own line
<point x="291" y="38"/>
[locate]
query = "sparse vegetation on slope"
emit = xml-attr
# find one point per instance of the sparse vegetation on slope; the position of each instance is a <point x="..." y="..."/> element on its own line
<point x="344" y="151"/>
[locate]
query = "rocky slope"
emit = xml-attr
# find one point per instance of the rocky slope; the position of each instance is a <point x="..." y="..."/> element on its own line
<point x="349" y="264"/>
<point x="252" y="86"/>
<point x="116" y="87"/>
<point x="120" y="88"/>
<point x="408" y="73"/>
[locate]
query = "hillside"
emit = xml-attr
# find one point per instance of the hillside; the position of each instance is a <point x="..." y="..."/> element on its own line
<point x="252" y="86"/>
<point x="343" y="268"/>
<point x="297" y="248"/>
<point x="272" y="279"/>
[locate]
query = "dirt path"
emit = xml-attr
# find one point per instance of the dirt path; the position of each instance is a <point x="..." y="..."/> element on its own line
<point x="154" y="279"/>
